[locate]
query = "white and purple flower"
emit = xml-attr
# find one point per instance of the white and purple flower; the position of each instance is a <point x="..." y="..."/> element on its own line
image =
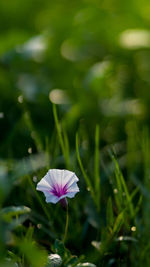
<point x="57" y="185"/>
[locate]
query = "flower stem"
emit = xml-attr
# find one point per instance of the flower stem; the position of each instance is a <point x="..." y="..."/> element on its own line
<point x="66" y="226"/>
<point x="64" y="203"/>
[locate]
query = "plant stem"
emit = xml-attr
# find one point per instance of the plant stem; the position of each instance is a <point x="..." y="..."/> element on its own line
<point x="66" y="226"/>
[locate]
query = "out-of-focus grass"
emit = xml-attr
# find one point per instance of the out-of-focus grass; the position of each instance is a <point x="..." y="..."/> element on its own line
<point x="74" y="94"/>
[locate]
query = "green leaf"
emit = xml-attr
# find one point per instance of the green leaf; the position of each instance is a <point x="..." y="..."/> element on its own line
<point x="59" y="248"/>
<point x="35" y="256"/>
<point x="118" y="223"/>
<point x="29" y="233"/>
<point x="9" y="212"/>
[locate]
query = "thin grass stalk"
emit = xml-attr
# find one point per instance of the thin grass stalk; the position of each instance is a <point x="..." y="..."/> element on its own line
<point x="86" y="178"/>
<point x="60" y="137"/>
<point x="97" y="167"/>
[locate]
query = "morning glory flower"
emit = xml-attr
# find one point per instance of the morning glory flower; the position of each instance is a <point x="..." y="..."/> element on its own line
<point x="57" y="185"/>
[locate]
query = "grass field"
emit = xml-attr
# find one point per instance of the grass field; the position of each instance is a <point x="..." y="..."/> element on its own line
<point x="75" y="95"/>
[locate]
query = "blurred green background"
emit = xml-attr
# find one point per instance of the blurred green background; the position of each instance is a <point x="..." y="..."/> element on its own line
<point x="86" y="64"/>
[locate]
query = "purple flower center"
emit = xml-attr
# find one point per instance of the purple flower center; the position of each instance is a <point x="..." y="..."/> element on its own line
<point x="58" y="190"/>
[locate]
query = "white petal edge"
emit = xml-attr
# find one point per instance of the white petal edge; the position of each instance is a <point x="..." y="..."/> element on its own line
<point x="43" y="185"/>
<point x="71" y="194"/>
<point x="52" y="199"/>
<point x="49" y="179"/>
<point x="73" y="188"/>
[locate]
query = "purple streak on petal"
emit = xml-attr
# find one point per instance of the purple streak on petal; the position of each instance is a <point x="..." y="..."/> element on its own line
<point x="58" y="190"/>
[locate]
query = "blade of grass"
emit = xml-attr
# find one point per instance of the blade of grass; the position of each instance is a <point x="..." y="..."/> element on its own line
<point x="118" y="181"/>
<point x="86" y="178"/>
<point x="96" y="166"/>
<point x="139" y="203"/>
<point x="118" y="223"/>
<point x="118" y="192"/>
<point x="60" y="137"/>
<point x="122" y="185"/>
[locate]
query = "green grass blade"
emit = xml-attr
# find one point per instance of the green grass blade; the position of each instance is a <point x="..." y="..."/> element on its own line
<point x="97" y="166"/>
<point x="139" y="203"/>
<point x="60" y="136"/>
<point x="86" y="178"/>
<point x="127" y="196"/>
<point x="118" y="223"/>
<point x="122" y="185"/>
<point x="118" y="180"/>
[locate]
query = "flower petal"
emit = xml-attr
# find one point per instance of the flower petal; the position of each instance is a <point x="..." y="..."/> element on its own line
<point x="49" y="179"/>
<point x="62" y="177"/>
<point x="71" y="194"/>
<point x="51" y="198"/>
<point x="43" y="185"/>
<point x="56" y="177"/>
<point x="73" y="188"/>
<point x="69" y="178"/>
